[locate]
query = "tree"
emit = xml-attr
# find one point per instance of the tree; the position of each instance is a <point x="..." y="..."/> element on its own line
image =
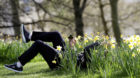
<point x="15" y="17"/>
<point x="101" y="7"/>
<point x="115" y="24"/>
<point x="78" y="12"/>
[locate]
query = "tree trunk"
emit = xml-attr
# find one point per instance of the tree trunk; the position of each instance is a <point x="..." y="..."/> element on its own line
<point x="15" y="17"/>
<point x="103" y="17"/>
<point x="115" y="25"/>
<point x="79" y="24"/>
<point x="78" y="12"/>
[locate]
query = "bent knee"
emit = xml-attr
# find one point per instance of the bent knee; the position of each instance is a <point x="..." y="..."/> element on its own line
<point x="56" y="33"/>
<point x="38" y="42"/>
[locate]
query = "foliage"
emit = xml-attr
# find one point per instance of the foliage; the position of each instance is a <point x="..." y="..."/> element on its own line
<point x="11" y="50"/>
<point x="108" y="60"/>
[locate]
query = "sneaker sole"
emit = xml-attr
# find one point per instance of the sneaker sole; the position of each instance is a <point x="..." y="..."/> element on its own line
<point x="22" y="32"/>
<point x="12" y="69"/>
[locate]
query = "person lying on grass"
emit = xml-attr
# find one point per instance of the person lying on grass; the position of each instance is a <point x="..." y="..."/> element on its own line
<point x="49" y="53"/>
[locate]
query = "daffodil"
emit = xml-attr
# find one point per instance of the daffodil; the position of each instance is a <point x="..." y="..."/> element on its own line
<point x="59" y="48"/>
<point x="124" y="41"/>
<point x="98" y="33"/>
<point x="134" y="36"/>
<point x="133" y="54"/>
<point x="106" y="47"/>
<point x="54" y="61"/>
<point x="135" y="44"/>
<point x="107" y="38"/>
<point x="86" y="35"/>
<point x="92" y="34"/>
<point x="96" y="38"/>
<point x="79" y="37"/>
<point x="86" y="41"/>
<point x="121" y="36"/>
<point x="112" y="41"/>
<point x="76" y="39"/>
<point x="131" y="39"/>
<point x="90" y="38"/>
<point x="138" y="40"/>
<point x="137" y="37"/>
<point x="131" y="46"/>
<point x="80" y="46"/>
<point x="113" y="46"/>
<point x="138" y="43"/>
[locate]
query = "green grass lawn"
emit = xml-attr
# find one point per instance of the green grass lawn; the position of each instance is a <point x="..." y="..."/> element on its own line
<point x="41" y="70"/>
<point x="34" y="70"/>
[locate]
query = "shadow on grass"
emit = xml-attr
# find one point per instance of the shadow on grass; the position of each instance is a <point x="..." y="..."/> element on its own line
<point x="41" y="69"/>
<point x="27" y="73"/>
<point x="37" y="70"/>
<point x="41" y="73"/>
<point x="120" y="74"/>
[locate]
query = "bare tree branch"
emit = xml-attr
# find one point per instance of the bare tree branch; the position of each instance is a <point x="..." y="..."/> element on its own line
<point x="35" y="22"/>
<point x="129" y="15"/>
<point x="83" y="5"/>
<point x="46" y="11"/>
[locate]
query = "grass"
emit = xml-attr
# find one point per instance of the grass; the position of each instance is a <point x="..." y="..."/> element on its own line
<point x="33" y="70"/>
<point x="40" y="70"/>
<point x="107" y="61"/>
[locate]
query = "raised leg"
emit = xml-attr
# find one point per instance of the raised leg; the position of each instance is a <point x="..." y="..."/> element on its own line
<point x="53" y="37"/>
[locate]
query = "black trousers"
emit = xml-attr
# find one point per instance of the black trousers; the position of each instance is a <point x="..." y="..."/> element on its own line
<point x="49" y="53"/>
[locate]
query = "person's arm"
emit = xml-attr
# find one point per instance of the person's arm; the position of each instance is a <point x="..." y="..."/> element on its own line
<point x="72" y="41"/>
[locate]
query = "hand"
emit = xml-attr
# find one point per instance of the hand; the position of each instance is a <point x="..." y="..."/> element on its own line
<point x="72" y="42"/>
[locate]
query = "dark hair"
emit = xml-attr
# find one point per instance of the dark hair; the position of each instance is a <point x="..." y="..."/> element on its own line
<point x="70" y="37"/>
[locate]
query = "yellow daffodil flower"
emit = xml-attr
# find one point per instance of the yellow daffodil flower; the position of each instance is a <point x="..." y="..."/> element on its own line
<point x="137" y="37"/>
<point x="133" y="54"/>
<point x="106" y="47"/>
<point x="135" y="44"/>
<point x="86" y="41"/>
<point x="86" y="35"/>
<point x="54" y="62"/>
<point x="113" y="41"/>
<point x="80" y="46"/>
<point x="90" y="38"/>
<point x="79" y="37"/>
<point x="107" y="38"/>
<point x="131" y="39"/>
<point x="59" y="48"/>
<point x="98" y="33"/>
<point x="92" y="34"/>
<point x="121" y="36"/>
<point x="76" y="39"/>
<point x="96" y="38"/>
<point x="131" y="46"/>
<point x="113" y="46"/>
